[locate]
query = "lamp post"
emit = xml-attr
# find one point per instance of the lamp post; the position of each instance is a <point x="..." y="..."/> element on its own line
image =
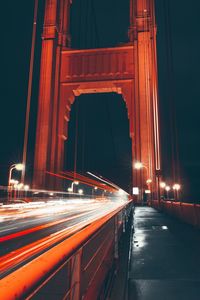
<point x="148" y="182"/>
<point x="176" y="188"/>
<point x="138" y="166"/>
<point x="26" y="188"/>
<point x="167" y="189"/>
<point x="74" y="183"/>
<point x="80" y="191"/>
<point x="162" y="186"/>
<point x="18" y="167"/>
<point x="94" y="189"/>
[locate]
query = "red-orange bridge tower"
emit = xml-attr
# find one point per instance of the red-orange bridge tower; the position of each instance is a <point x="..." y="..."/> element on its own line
<point x="129" y="70"/>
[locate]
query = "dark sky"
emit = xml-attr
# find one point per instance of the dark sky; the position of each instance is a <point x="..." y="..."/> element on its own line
<point x="104" y="23"/>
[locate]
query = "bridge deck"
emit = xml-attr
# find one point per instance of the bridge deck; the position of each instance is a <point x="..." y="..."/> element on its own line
<point x="165" y="262"/>
<point x="165" y="258"/>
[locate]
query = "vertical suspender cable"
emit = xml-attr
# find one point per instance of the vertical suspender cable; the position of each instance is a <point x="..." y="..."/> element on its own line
<point x="76" y="143"/>
<point x="28" y="105"/>
<point x="173" y="127"/>
<point x="96" y="34"/>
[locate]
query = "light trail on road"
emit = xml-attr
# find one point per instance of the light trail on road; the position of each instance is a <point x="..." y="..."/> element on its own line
<point x="30" y="229"/>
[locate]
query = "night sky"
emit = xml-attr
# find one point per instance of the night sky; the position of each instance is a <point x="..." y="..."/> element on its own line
<point x="105" y="137"/>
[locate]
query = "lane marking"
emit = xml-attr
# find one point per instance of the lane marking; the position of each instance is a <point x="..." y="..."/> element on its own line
<point x="11" y="228"/>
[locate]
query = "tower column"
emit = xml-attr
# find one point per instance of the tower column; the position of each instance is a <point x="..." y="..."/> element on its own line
<point x="66" y="37"/>
<point x="46" y="93"/>
<point x="147" y="150"/>
<point x="48" y="144"/>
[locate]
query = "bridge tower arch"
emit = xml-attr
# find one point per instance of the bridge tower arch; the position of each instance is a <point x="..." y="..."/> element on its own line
<point x="129" y="69"/>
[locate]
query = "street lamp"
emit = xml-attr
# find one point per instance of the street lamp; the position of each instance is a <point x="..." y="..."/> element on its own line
<point x="176" y="188"/>
<point x="80" y="191"/>
<point x="94" y="189"/>
<point x="18" y="167"/>
<point x="72" y="185"/>
<point x="162" y="186"/>
<point x="149" y="181"/>
<point x="138" y="166"/>
<point x="26" y="188"/>
<point x="167" y="189"/>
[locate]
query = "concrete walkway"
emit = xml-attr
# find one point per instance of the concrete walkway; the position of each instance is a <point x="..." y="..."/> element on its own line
<point x="165" y="258"/>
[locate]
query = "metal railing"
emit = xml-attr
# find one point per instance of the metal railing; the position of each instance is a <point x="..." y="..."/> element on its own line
<point x="186" y="212"/>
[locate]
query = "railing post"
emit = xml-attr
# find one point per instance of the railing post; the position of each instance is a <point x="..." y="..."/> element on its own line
<point x="76" y="276"/>
<point x="116" y="250"/>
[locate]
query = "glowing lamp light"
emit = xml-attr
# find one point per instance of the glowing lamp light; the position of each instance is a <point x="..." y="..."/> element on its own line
<point x="96" y="188"/>
<point x="76" y="182"/>
<point x="26" y="187"/>
<point x="16" y="186"/>
<point x="176" y="187"/>
<point x="147" y="192"/>
<point x="138" y="165"/>
<point x="20" y="186"/>
<point x="19" y="167"/>
<point x="80" y="192"/>
<point x="70" y="189"/>
<point x="149" y="181"/>
<point x="162" y="185"/>
<point x="12" y="181"/>
<point x="167" y="188"/>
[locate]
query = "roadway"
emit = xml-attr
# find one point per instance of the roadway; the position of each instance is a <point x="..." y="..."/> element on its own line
<point x="29" y="229"/>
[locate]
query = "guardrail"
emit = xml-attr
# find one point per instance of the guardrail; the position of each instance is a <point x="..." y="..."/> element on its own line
<point x="186" y="212"/>
<point x="75" y="268"/>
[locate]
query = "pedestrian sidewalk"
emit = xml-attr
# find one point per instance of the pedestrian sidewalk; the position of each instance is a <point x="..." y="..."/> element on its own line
<point x="165" y="258"/>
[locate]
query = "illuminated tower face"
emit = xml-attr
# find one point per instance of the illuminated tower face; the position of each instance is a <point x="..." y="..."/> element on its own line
<point x="129" y="70"/>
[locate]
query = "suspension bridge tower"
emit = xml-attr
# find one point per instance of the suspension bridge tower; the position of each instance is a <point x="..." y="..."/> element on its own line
<point x="129" y="69"/>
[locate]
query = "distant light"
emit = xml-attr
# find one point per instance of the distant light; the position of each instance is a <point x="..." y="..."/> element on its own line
<point x="149" y="181"/>
<point x="70" y="189"/>
<point x="167" y="188"/>
<point x="12" y="181"/>
<point x="135" y="191"/>
<point x="20" y="186"/>
<point x="26" y="187"/>
<point x="76" y="182"/>
<point x="96" y="188"/>
<point x="163" y="185"/>
<point x="138" y="165"/>
<point x="164" y="227"/>
<point x="147" y="192"/>
<point x="80" y="192"/>
<point x="176" y="186"/>
<point x="19" y="167"/>
<point x="51" y="194"/>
